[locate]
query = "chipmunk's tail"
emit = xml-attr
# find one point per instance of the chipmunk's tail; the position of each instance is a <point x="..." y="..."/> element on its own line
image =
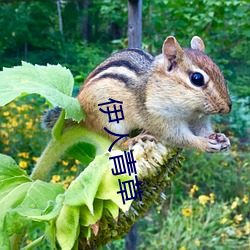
<point x="50" y="117"/>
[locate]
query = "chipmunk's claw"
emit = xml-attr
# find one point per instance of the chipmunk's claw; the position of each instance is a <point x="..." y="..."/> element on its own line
<point x="141" y="140"/>
<point x="218" y="142"/>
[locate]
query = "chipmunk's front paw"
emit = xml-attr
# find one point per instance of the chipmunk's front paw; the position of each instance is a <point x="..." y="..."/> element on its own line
<point x="218" y="142"/>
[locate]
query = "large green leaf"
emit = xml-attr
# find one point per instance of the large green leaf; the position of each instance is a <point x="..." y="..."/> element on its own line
<point x="112" y="208"/>
<point x="53" y="82"/>
<point x="9" y="168"/>
<point x="86" y="218"/>
<point x="83" y="152"/>
<point x="83" y="189"/>
<point x="21" y="199"/>
<point x="67" y="226"/>
<point x="39" y="194"/>
<point x="109" y="187"/>
<point x="97" y="181"/>
<point x="6" y="186"/>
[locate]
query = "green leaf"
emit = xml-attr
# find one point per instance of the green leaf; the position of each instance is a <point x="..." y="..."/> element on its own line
<point x="4" y="240"/>
<point x="26" y="202"/>
<point x="34" y="243"/>
<point x="39" y="194"/>
<point x="50" y="234"/>
<point x="86" y="218"/>
<point x="67" y="226"/>
<point x="14" y="198"/>
<point x="50" y="213"/>
<point x="6" y="186"/>
<point x="86" y="231"/>
<point x="53" y="82"/>
<point x="20" y="198"/>
<point x="109" y="187"/>
<point x="9" y="168"/>
<point x="112" y="208"/>
<point x="83" y="189"/>
<point x="14" y="223"/>
<point x="83" y="152"/>
<point x="58" y="127"/>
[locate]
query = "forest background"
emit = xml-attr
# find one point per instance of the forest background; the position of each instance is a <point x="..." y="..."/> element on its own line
<point x="208" y="203"/>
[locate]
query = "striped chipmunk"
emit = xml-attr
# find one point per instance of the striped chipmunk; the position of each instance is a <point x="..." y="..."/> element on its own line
<point x="168" y="97"/>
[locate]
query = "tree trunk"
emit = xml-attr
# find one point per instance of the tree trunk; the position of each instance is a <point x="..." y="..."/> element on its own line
<point x="135" y="23"/>
<point x="134" y="41"/>
<point x="131" y="238"/>
<point x="85" y="20"/>
<point x="59" y="16"/>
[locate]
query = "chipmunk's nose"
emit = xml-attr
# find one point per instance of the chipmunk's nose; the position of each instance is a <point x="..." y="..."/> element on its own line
<point x="230" y="106"/>
<point x="227" y="108"/>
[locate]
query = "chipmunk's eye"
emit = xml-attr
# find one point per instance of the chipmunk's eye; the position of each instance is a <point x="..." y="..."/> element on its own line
<point x="197" y="79"/>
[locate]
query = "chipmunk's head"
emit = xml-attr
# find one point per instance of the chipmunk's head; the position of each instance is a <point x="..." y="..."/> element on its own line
<point x="198" y="77"/>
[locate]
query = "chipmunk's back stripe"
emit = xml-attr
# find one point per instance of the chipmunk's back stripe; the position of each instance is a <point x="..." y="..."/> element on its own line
<point x="142" y="53"/>
<point x="118" y="77"/>
<point x="118" y="63"/>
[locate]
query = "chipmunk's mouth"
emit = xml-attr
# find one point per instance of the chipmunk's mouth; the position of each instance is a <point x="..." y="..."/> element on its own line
<point x="224" y="108"/>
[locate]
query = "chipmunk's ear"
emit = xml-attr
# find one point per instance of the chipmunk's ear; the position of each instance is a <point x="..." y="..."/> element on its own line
<point x="197" y="43"/>
<point x="171" y="49"/>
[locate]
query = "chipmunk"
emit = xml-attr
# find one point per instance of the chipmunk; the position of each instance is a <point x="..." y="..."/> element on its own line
<point x="170" y="97"/>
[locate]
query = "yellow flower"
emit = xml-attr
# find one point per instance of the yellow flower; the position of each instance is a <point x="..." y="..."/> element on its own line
<point x="223" y="235"/>
<point x="235" y="203"/>
<point x="224" y="164"/>
<point x="73" y="168"/>
<point x="234" y="152"/>
<point x="4" y="134"/>
<point x="203" y="199"/>
<point x="183" y="248"/>
<point x="6" y="113"/>
<point x="24" y="154"/>
<point x="77" y="162"/>
<point x="24" y="107"/>
<point x="238" y="218"/>
<point x="223" y="220"/>
<point x="238" y="159"/>
<point x="238" y="233"/>
<point x="6" y="149"/>
<point x="247" y="227"/>
<point x="6" y="141"/>
<point x="55" y="178"/>
<point x="12" y="105"/>
<point x="70" y="178"/>
<point x="187" y="211"/>
<point x="14" y="123"/>
<point x="245" y="199"/>
<point x="23" y="164"/>
<point x="29" y="124"/>
<point x="65" y="163"/>
<point x="193" y="190"/>
<point x="197" y="242"/>
<point x="35" y="159"/>
<point x="211" y="195"/>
